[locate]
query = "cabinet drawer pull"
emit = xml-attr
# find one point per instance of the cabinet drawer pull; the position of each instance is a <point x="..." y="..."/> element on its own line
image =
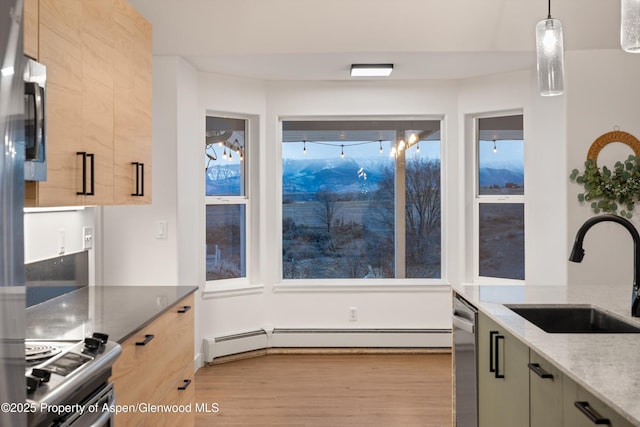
<point x="591" y="413"/>
<point x="498" y="339"/>
<point x="84" y="191"/>
<point x="184" y="386"/>
<point x="539" y="371"/>
<point x="492" y="357"/>
<point x="139" y="171"/>
<point x="147" y="338"/>
<point x="184" y="309"/>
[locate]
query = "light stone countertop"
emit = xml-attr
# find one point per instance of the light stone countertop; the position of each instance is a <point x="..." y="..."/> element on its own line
<point x="607" y="365"/>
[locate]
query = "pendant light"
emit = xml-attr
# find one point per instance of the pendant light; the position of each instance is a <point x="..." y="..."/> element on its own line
<point x="630" y="25"/>
<point x="550" y="54"/>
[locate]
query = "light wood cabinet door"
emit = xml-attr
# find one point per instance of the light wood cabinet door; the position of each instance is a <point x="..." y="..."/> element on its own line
<point x="97" y="96"/>
<point x="180" y="398"/>
<point x="545" y="392"/>
<point x="30" y="28"/>
<point x="503" y="377"/>
<point x="132" y="106"/>
<point x="61" y="51"/>
<point x="139" y="370"/>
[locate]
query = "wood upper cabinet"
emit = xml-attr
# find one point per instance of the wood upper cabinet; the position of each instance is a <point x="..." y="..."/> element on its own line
<point x="98" y="58"/>
<point x="132" y="108"/>
<point x="30" y="28"/>
<point x="60" y="49"/>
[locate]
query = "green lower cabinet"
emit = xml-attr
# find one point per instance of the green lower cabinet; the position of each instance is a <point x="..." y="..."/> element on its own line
<point x="582" y="409"/>
<point x="503" y="378"/>
<point x="545" y="392"/>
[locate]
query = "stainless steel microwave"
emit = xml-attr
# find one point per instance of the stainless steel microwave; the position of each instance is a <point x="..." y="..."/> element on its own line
<point x="35" y="130"/>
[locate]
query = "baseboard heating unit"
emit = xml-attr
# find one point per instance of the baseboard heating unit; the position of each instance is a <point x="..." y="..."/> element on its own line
<point x="325" y="338"/>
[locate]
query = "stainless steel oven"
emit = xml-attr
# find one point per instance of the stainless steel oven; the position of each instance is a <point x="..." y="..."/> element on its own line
<point x="35" y="134"/>
<point x="464" y="319"/>
<point x="68" y="382"/>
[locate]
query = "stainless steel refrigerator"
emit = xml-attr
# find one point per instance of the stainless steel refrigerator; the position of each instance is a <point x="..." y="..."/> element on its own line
<point x="12" y="283"/>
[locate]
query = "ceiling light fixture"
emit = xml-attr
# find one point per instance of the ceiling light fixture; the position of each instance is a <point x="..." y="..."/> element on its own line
<point x="371" y="70"/>
<point x="630" y="26"/>
<point x="550" y="55"/>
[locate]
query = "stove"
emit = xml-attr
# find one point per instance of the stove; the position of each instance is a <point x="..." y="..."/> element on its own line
<point x="67" y="380"/>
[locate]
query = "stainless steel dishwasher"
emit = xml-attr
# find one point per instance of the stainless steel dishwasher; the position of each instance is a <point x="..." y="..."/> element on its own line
<point x="465" y="318"/>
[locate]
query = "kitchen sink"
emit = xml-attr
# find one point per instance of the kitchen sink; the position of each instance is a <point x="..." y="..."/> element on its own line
<point x="573" y="319"/>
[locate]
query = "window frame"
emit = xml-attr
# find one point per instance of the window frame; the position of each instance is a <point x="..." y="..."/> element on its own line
<point x="395" y="284"/>
<point x="479" y="199"/>
<point x="244" y="282"/>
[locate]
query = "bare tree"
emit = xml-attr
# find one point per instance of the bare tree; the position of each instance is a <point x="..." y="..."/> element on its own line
<point x="423" y="205"/>
<point x="327" y="207"/>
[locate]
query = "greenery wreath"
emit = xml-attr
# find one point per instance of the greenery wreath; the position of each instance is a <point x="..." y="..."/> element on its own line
<point x="609" y="190"/>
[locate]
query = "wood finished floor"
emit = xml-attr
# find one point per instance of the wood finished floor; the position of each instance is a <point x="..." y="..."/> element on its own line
<point x="333" y="390"/>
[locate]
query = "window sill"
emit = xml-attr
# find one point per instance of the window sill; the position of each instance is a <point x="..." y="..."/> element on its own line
<point x="226" y="289"/>
<point x="362" y="286"/>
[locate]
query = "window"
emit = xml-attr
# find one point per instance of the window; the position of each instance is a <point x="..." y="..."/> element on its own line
<point x="500" y="197"/>
<point x="361" y="199"/>
<point x="226" y="197"/>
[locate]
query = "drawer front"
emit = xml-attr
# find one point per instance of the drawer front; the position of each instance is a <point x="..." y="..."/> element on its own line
<point x="178" y="402"/>
<point x="154" y="363"/>
<point x="139" y="369"/>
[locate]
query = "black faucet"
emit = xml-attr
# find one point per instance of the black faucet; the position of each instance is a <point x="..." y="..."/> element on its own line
<point x="577" y="253"/>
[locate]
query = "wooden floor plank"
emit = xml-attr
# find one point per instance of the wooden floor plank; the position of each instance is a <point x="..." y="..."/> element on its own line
<point x="328" y="390"/>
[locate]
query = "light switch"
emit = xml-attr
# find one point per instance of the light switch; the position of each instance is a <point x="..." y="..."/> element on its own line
<point x="161" y="229"/>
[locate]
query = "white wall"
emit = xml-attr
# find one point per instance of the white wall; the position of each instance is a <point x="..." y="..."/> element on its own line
<point x="183" y="97"/>
<point x="603" y="91"/>
<point x="558" y="132"/>
<point x="545" y="164"/>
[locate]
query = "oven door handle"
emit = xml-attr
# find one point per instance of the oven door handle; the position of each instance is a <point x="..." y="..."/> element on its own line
<point x="102" y="420"/>
<point x="462" y="323"/>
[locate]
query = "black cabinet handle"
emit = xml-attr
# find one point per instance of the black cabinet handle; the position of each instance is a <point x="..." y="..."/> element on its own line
<point x="184" y="309"/>
<point x="91" y="179"/>
<point x="492" y="357"/>
<point x="84" y="191"/>
<point x="147" y="338"/>
<point x="186" y="384"/>
<point x="498" y="339"/>
<point x="591" y="413"/>
<point x="139" y="171"/>
<point x="84" y="173"/>
<point x="539" y="371"/>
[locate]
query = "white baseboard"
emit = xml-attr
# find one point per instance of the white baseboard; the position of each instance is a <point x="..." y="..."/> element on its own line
<point x="325" y="338"/>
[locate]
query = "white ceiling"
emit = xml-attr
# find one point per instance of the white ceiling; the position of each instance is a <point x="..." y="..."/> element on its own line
<point x="319" y="39"/>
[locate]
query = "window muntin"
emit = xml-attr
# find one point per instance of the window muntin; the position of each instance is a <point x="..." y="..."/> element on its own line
<point x="342" y="189"/>
<point x="226" y="198"/>
<point x="500" y="197"/>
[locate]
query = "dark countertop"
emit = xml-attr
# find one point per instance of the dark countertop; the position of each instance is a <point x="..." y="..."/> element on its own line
<point x="119" y="311"/>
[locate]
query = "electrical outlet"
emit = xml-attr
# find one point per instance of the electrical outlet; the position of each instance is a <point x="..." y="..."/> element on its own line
<point x="61" y="243"/>
<point x="87" y="237"/>
<point x="353" y="314"/>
